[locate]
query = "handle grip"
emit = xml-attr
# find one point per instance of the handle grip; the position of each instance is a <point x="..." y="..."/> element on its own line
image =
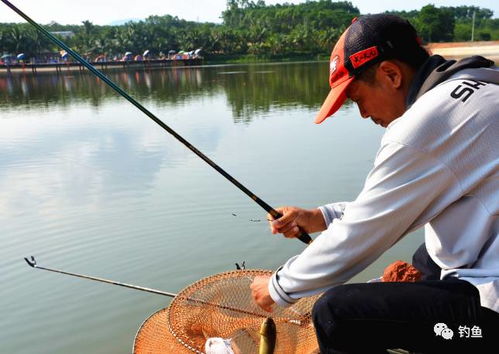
<point x="303" y="237"/>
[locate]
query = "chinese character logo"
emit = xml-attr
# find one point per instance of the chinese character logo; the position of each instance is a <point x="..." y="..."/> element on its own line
<point x="442" y="330"/>
<point x="464" y="331"/>
<point x="476" y="332"/>
<point x="467" y="332"/>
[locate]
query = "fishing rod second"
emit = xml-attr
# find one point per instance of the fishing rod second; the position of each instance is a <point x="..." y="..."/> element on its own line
<point x="304" y="237"/>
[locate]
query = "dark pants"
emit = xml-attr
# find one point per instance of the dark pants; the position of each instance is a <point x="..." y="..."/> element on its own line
<point x="373" y="317"/>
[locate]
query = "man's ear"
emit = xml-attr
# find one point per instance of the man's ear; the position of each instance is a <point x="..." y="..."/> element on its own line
<point x="391" y="73"/>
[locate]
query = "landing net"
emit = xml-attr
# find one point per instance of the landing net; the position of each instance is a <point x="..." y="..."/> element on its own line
<point x="221" y="306"/>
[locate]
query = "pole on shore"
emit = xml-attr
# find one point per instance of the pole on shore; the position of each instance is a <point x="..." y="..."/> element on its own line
<point x="473" y="27"/>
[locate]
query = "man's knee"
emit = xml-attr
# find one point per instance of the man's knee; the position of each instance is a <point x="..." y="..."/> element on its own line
<point x="327" y="309"/>
<point x="324" y="310"/>
<point x="341" y="302"/>
<point x="323" y="320"/>
<point x="331" y="315"/>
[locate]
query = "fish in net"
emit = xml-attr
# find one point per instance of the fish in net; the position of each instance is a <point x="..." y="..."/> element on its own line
<point x="221" y="306"/>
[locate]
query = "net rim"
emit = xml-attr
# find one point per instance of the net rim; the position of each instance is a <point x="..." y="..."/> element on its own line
<point x="142" y="326"/>
<point x="253" y="272"/>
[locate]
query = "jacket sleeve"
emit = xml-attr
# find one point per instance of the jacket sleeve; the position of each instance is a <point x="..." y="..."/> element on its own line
<point x="402" y="192"/>
<point x="332" y="211"/>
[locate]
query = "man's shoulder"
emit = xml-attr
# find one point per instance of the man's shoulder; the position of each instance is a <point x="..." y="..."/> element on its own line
<point x="445" y="111"/>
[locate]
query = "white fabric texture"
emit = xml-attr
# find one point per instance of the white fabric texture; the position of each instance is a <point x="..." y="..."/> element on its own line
<point x="437" y="167"/>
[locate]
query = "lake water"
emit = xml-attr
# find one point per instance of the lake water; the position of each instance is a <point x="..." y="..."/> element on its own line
<point x="89" y="184"/>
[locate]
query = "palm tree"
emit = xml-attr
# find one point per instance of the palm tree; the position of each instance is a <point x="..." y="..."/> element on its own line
<point x="18" y="38"/>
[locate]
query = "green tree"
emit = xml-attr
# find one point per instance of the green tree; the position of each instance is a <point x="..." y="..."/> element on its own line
<point x="249" y="27"/>
<point x="435" y="24"/>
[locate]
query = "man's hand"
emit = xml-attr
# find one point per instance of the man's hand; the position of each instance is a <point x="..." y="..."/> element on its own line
<point x="295" y="219"/>
<point x="260" y="292"/>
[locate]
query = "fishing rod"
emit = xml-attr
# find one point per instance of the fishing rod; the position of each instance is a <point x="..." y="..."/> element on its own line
<point x="33" y="264"/>
<point x="304" y="237"/>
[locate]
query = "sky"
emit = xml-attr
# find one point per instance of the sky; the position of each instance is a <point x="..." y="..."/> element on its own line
<point x="105" y="12"/>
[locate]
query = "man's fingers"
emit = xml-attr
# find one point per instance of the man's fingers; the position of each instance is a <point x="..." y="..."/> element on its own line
<point x="260" y="294"/>
<point x="288" y="215"/>
<point x="288" y="228"/>
<point x="267" y="308"/>
<point x="292" y="232"/>
<point x="274" y="224"/>
<point x="263" y="304"/>
<point x="273" y="229"/>
<point x="288" y="223"/>
<point x="281" y="211"/>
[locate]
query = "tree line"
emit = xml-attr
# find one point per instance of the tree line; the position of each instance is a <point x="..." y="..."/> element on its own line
<point x="249" y="28"/>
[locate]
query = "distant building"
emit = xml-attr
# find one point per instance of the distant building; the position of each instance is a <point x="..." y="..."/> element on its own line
<point x="63" y="34"/>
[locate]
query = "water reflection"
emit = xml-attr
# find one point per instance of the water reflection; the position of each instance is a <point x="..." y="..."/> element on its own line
<point x="250" y="89"/>
<point x="106" y="192"/>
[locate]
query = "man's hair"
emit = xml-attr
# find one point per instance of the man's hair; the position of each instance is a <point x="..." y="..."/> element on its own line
<point x="415" y="62"/>
<point x="368" y="76"/>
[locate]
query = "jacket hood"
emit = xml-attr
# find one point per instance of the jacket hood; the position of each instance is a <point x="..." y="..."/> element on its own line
<point x="436" y="70"/>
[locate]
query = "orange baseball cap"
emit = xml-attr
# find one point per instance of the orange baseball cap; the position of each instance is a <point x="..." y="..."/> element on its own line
<point x="368" y="40"/>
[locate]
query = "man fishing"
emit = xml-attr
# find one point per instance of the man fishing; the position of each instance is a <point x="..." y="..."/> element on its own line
<point x="437" y="167"/>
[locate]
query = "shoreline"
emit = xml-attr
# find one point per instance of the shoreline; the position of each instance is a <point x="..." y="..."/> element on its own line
<point x="107" y="65"/>
<point x="488" y="49"/>
<point x="451" y="50"/>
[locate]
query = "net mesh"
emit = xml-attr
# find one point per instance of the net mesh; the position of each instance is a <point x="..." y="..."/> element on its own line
<point x="221" y="306"/>
<point x="154" y="337"/>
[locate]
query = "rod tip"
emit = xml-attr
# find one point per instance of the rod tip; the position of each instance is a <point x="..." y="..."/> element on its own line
<point x="32" y="262"/>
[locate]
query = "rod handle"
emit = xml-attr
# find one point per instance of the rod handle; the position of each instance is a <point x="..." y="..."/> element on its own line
<point x="303" y="237"/>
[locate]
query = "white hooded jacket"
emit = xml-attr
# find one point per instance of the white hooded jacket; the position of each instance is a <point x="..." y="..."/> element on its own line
<point x="437" y="167"/>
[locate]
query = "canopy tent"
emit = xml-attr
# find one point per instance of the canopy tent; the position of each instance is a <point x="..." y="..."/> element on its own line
<point x="100" y="57"/>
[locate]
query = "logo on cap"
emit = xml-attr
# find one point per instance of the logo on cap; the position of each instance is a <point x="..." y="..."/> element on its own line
<point x="333" y="65"/>
<point x="362" y="57"/>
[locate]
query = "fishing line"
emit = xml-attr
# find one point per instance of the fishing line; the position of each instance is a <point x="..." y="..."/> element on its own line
<point x="304" y="237"/>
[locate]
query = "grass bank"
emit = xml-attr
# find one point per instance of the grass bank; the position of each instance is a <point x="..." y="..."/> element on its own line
<point x="488" y="49"/>
<point x="251" y="58"/>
